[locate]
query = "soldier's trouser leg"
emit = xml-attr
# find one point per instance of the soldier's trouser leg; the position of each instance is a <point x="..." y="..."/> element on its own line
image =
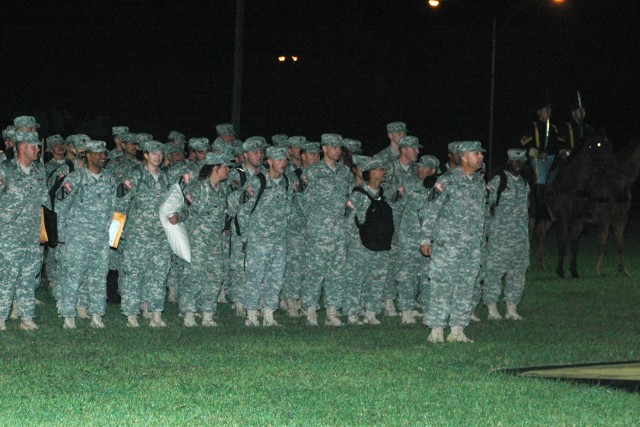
<point x="50" y="265"/>
<point x="130" y="282"/>
<point x="9" y="270"/>
<point x="374" y="280"/>
<point x="514" y="284"/>
<point x="325" y="265"/>
<point x="266" y="262"/>
<point x="390" y="284"/>
<point x="28" y="281"/>
<point x="84" y="293"/>
<point x="18" y="274"/>
<point x="226" y="261"/>
<point x="355" y="268"/>
<point x="96" y="281"/>
<point x="73" y="267"/>
<point x="294" y="269"/>
<point x="492" y="287"/>
<point x="425" y="284"/>
<point x="407" y="278"/>
<point x="462" y="303"/>
<point x="155" y="277"/>
<point x="191" y="285"/>
<point x="174" y="277"/>
<point x="236" y="269"/>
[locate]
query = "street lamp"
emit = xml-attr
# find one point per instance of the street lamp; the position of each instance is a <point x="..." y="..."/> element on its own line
<point x="505" y="17"/>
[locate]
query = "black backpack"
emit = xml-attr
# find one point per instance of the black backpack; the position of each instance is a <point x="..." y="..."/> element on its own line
<point x="377" y="229"/>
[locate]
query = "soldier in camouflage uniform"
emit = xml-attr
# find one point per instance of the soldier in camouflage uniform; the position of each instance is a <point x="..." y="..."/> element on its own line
<point x="238" y="180"/>
<point x="508" y="237"/>
<point x="146" y="251"/>
<point x="266" y="244"/>
<point x="366" y="270"/>
<point x="323" y="205"/>
<point x="226" y="132"/>
<point x="395" y="131"/>
<point x="454" y="236"/>
<point x="85" y="205"/>
<point x="22" y="192"/>
<point x="8" y="136"/>
<point x="56" y="145"/>
<point x="203" y="276"/>
<point x="117" y="132"/>
<point x="121" y="166"/>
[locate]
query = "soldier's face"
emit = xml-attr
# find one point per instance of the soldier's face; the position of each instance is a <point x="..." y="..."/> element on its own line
<point x="31" y="152"/>
<point x="294" y="152"/>
<point x="154" y="158"/>
<point x="410" y="153"/>
<point x="277" y="165"/>
<point x="455" y="158"/>
<point x="58" y="150"/>
<point x="333" y="153"/>
<point x="424" y="172"/>
<point x="222" y="172"/>
<point x="96" y="160"/>
<point x="395" y="136"/>
<point x="309" y="159"/>
<point x="118" y="141"/>
<point x="472" y="159"/>
<point x="131" y="148"/>
<point x="228" y="138"/>
<point x="254" y="158"/>
<point x="200" y="155"/>
<point x="176" y="158"/>
<point x="515" y="166"/>
<point x="544" y="114"/>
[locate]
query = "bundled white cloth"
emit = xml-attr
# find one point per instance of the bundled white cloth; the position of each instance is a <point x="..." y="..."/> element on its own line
<point x="176" y="233"/>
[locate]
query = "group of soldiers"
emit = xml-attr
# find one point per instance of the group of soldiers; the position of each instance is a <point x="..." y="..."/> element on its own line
<point x="271" y="226"/>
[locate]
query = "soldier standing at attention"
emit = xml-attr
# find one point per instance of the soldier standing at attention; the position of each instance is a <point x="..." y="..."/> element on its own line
<point x="323" y="205"/>
<point x="22" y="192"/>
<point x="264" y="218"/>
<point x="508" y="237"/>
<point x="454" y="236"/>
<point x="85" y="205"/>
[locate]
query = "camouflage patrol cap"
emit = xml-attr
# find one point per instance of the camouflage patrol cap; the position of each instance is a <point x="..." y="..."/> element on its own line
<point x="225" y="129"/>
<point x="97" y="146"/>
<point x="311" y="147"/>
<point x="27" y="137"/>
<point x="8" y="132"/>
<point x="128" y="137"/>
<point x="296" y="141"/>
<point x="25" y="121"/>
<point x="353" y="145"/>
<point x="174" y="135"/>
<point x="172" y="149"/>
<point x="237" y="148"/>
<point x="143" y="137"/>
<point x="429" y="161"/>
<point x="277" y="153"/>
<point x="218" y="159"/>
<point x="222" y="146"/>
<point x="199" y="144"/>
<point x="517" y="154"/>
<point x="374" y="163"/>
<point x="453" y="147"/>
<point x="473" y="146"/>
<point x="360" y="160"/>
<point x="280" y="140"/>
<point x="152" y="146"/>
<point x="53" y="140"/>
<point x="119" y="130"/>
<point x="79" y="140"/>
<point x="332" y="139"/>
<point x="395" y="127"/>
<point x="254" y="143"/>
<point x="409" y="141"/>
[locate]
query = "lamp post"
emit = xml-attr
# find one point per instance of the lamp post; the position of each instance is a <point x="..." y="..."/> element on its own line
<point x="495" y="29"/>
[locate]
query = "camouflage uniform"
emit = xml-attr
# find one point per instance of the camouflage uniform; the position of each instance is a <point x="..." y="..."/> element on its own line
<point x="21" y="196"/>
<point x="84" y="218"/>
<point x="294" y="270"/>
<point x="454" y="228"/>
<point x="323" y="205"/>
<point x="146" y="251"/>
<point x="508" y="240"/>
<point x="202" y="278"/>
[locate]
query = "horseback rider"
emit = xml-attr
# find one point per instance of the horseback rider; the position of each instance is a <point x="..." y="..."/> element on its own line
<point x="576" y="131"/>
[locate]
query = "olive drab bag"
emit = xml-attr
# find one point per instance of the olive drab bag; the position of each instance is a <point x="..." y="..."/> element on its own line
<point x="377" y="229"/>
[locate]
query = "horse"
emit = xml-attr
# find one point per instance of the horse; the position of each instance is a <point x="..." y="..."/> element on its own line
<point x="568" y="194"/>
<point x="611" y="200"/>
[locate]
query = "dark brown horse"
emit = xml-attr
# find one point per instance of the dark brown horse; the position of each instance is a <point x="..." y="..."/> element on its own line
<point x="568" y="195"/>
<point x="611" y="199"/>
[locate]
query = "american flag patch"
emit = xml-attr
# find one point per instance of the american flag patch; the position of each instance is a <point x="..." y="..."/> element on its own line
<point x="438" y="186"/>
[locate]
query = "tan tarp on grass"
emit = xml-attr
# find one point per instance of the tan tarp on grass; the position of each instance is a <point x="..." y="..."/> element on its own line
<point x="615" y="372"/>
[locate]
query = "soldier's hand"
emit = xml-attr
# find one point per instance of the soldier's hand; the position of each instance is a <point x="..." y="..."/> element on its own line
<point x="186" y="178"/>
<point x="128" y="184"/>
<point x="250" y="191"/>
<point x="401" y="190"/>
<point x="68" y="186"/>
<point x="174" y="219"/>
<point x="426" y="250"/>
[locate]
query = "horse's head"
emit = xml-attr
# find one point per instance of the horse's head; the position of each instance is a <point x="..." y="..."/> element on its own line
<point x="596" y="152"/>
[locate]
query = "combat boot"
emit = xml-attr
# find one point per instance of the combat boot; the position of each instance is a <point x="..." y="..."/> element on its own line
<point x="370" y="318"/>
<point x="252" y="318"/>
<point x="27" y="324"/>
<point x="292" y="308"/>
<point x="407" y="317"/>
<point x="493" y="312"/>
<point x="512" y="312"/>
<point x="332" y="318"/>
<point x="132" y="321"/>
<point x="284" y="304"/>
<point x="96" y="321"/>
<point x="156" y="320"/>
<point x="3" y="327"/>
<point x="190" y="320"/>
<point x="207" y="319"/>
<point x="312" y="316"/>
<point x="240" y="312"/>
<point x="268" y="319"/>
<point x="145" y="310"/>
<point x="473" y="317"/>
<point x="436" y="335"/>
<point x="354" y="320"/>
<point x="82" y="313"/>
<point x="457" y="335"/>
<point x="389" y="308"/>
<point x="69" y="323"/>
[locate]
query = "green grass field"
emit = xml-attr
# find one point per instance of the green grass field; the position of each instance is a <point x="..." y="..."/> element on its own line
<point x="294" y="375"/>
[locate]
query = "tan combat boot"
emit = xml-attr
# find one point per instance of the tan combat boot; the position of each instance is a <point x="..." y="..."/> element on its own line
<point x="96" y="321"/>
<point x="69" y="323"/>
<point x="494" y="314"/>
<point x="190" y="320"/>
<point x="312" y="316"/>
<point x="389" y="308"/>
<point x="268" y="319"/>
<point x="332" y="317"/>
<point x="512" y="312"/>
<point x="82" y="313"/>
<point x="407" y="317"/>
<point x="457" y="335"/>
<point x="354" y="320"/>
<point x="240" y="311"/>
<point x="3" y="327"/>
<point x="144" y="306"/>
<point x="27" y="324"/>
<point x="252" y="318"/>
<point x="156" y="320"/>
<point x="370" y="318"/>
<point x="436" y="335"/>
<point x="132" y="321"/>
<point x="207" y="319"/>
<point x="292" y="308"/>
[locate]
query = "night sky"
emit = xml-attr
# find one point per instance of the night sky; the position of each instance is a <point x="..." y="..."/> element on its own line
<point x="158" y="66"/>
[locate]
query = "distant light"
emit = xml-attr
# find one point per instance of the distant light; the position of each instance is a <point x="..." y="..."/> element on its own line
<point x="558" y="1"/>
<point x="294" y="58"/>
<point x="433" y="3"/>
<point x="282" y="58"/>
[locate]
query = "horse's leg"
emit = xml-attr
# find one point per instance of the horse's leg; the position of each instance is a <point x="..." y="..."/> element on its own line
<point x="576" y="230"/>
<point x="561" y="237"/>
<point x="618" y="234"/>
<point x="540" y="235"/>
<point x="603" y="234"/>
